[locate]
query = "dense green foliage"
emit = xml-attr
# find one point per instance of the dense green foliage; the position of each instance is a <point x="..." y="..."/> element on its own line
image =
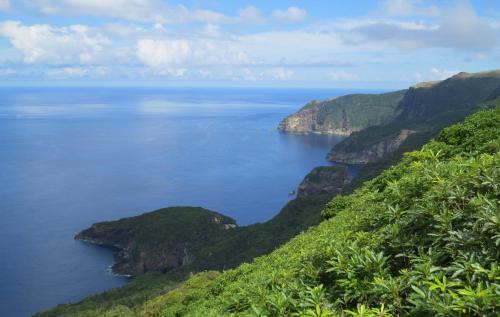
<point x="119" y="301"/>
<point x="426" y="132"/>
<point x="421" y="239"/>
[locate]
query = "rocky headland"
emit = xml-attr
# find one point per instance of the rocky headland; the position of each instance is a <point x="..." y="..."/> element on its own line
<point x="324" y="180"/>
<point x="161" y="240"/>
<point x="343" y="115"/>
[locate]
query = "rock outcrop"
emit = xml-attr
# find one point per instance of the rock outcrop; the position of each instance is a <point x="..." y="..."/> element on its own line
<point x="323" y="180"/>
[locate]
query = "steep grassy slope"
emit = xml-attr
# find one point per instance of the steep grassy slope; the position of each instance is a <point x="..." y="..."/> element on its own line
<point x="119" y="302"/>
<point x="421" y="239"/>
<point x="424" y="110"/>
<point x="344" y="115"/>
<point x="225" y="249"/>
<point x="413" y="142"/>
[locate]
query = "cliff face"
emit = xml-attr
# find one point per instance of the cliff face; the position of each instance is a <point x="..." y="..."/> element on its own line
<point x="309" y="120"/>
<point x="323" y="180"/>
<point x="370" y="153"/>
<point x="158" y="241"/>
<point x="343" y="115"/>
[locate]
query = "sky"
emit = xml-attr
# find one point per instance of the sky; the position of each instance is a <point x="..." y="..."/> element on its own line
<point x="322" y="43"/>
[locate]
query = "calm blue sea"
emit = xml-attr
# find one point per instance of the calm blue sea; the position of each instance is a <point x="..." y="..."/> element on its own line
<point x="70" y="157"/>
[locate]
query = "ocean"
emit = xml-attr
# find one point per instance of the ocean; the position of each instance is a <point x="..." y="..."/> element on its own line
<point x="70" y="157"/>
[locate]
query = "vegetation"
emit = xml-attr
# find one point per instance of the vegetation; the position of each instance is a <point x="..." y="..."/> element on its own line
<point x="119" y="301"/>
<point x="421" y="239"/>
<point x="428" y="131"/>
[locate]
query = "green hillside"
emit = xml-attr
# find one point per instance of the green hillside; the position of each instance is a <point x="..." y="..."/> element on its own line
<point x="211" y="247"/>
<point x="424" y="110"/>
<point x="421" y="239"/>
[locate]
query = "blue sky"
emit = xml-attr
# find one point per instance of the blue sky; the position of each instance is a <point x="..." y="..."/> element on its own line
<point x="332" y="43"/>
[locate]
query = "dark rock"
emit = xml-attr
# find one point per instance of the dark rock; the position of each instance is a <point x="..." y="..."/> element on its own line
<point x="323" y="180"/>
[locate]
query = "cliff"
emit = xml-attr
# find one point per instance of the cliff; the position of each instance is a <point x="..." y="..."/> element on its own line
<point x="323" y="180"/>
<point x="343" y="115"/>
<point x="161" y="240"/>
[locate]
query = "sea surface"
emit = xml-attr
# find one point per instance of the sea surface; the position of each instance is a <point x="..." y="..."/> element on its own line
<point x="70" y="157"/>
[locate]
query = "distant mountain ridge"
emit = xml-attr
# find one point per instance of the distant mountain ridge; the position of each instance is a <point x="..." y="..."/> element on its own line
<point x="343" y="115"/>
<point x="378" y="124"/>
<point x="423" y="111"/>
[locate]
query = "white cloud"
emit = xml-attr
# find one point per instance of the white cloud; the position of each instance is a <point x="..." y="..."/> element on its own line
<point x="418" y="77"/>
<point x="135" y="10"/>
<point x="163" y="53"/>
<point x="160" y="53"/>
<point x="42" y="43"/>
<point x="280" y="73"/>
<point x="213" y="49"/>
<point x="408" y="8"/>
<point x="4" y="5"/>
<point x="342" y="76"/>
<point x="211" y="30"/>
<point x="292" y="14"/>
<point x="122" y="30"/>
<point x="250" y="14"/>
<point x="458" y="27"/>
<point x="442" y="74"/>
<point x="79" y="72"/>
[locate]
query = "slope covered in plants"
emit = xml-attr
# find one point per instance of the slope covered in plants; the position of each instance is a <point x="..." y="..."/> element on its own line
<point x="421" y="239"/>
<point x="221" y="249"/>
